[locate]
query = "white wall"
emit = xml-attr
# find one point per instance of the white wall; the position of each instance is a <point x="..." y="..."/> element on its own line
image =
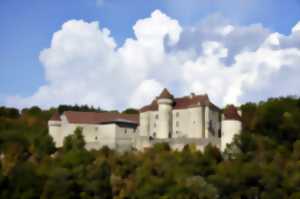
<point x="95" y="136"/>
<point x="230" y="128"/>
<point x="181" y="122"/>
<point x="125" y="138"/>
<point x="165" y="118"/>
<point x="144" y="127"/>
<point x="153" y="123"/>
<point x="182" y="117"/>
<point x="55" y="132"/>
<point x="195" y="123"/>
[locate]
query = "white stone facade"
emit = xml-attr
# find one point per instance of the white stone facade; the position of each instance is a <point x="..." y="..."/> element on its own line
<point x="114" y="134"/>
<point x="188" y="120"/>
<point x="187" y="123"/>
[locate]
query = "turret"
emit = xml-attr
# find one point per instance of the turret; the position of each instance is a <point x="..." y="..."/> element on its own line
<point x="231" y="125"/>
<point x="165" y="102"/>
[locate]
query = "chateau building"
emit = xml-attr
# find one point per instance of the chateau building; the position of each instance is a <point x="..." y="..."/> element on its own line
<point x="117" y="131"/>
<point x="192" y="119"/>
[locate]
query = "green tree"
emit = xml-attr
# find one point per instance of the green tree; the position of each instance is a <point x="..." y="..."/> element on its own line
<point x="74" y="141"/>
<point x="60" y="184"/>
<point x="130" y="111"/>
<point x="24" y="183"/>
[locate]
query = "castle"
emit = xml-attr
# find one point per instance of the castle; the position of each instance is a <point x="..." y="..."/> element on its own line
<point x="191" y="119"/>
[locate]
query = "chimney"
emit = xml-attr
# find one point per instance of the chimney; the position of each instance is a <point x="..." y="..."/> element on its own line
<point x="192" y="95"/>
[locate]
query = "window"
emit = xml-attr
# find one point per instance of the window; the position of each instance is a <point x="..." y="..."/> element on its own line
<point x="154" y="134"/>
<point x="96" y="138"/>
<point x="154" y="125"/>
<point x="156" y="116"/>
<point x="96" y="128"/>
<point x="125" y="131"/>
<point x="177" y="124"/>
<point x="177" y="114"/>
<point x="170" y="135"/>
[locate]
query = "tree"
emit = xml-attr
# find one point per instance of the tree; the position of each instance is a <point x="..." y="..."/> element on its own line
<point x="198" y="188"/>
<point x="97" y="183"/>
<point x="74" y="141"/>
<point x="78" y="139"/>
<point x="131" y="111"/>
<point x="43" y="145"/>
<point x="60" y="185"/>
<point x="24" y="183"/>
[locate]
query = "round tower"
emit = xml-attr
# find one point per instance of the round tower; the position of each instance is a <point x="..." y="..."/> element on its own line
<point x="165" y="102"/>
<point x="231" y="125"/>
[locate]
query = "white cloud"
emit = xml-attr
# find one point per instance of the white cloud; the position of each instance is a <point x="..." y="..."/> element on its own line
<point x="296" y="28"/>
<point x="231" y="63"/>
<point x="145" y="93"/>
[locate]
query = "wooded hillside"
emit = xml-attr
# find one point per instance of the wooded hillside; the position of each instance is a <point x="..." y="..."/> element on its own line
<point x="263" y="162"/>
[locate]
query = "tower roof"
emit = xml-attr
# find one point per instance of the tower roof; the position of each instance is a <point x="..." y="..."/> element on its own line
<point x="165" y="94"/>
<point x="231" y="113"/>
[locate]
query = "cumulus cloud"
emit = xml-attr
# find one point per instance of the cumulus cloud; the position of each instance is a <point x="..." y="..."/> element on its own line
<point x="231" y="63"/>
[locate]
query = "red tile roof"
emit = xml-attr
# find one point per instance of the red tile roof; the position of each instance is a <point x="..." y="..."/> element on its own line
<point x="183" y="102"/>
<point x="100" y="117"/>
<point x="55" y="117"/>
<point x="165" y="94"/>
<point x="231" y="113"/>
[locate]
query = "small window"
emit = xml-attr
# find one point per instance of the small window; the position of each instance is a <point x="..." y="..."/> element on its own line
<point x="96" y="138"/>
<point x="125" y="131"/>
<point x="154" y="134"/>
<point x="154" y="125"/>
<point x="210" y="126"/>
<point x="156" y="116"/>
<point x="177" y="124"/>
<point x="170" y="135"/>
<point x="96" y="128"/>
<point x="177" y="114"/>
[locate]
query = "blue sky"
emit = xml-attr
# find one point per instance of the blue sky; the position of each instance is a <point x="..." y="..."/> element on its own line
<point x="27" y="27"/>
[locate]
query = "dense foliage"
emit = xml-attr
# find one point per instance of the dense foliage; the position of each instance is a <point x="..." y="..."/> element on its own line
<point x="263" y="162"/>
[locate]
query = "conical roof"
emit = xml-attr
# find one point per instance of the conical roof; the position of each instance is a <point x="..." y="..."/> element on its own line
<point x="231" y="113"/>
<point x="165" y="94"/>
